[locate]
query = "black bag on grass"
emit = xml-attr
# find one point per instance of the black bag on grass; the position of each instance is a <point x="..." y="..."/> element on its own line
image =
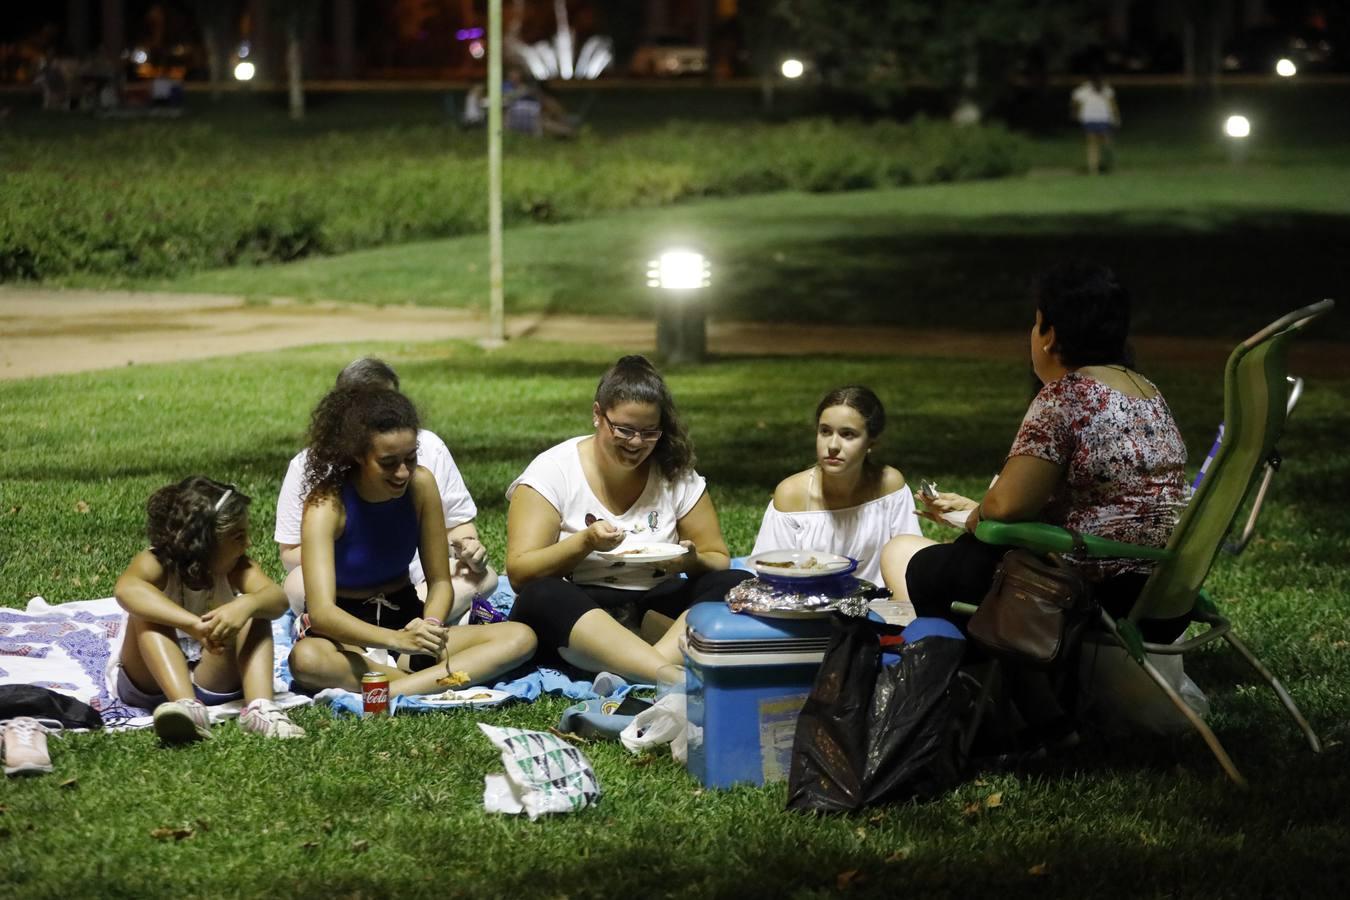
<point x="871" y="733"/>
<point x="40" y="703"/>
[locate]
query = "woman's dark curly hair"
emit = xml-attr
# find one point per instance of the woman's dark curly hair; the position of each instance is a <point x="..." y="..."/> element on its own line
<point x="633" y="379"/>
<point x="341" y="429"/>
<point x="1090" y="311"/>
<point x="185" y="522"/>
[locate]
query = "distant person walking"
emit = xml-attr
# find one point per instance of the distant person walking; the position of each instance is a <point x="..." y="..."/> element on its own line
<point x="1094" y="107"/>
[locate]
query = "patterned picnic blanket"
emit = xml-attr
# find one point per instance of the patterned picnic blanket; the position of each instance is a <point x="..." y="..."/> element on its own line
<point x="73" y="648"/>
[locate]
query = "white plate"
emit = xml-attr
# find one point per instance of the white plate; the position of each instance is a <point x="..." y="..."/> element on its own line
<point x="804" y="563"/>
<point x="654" y="552"/>
<point x="792" y="613"/>
<point x="466" y="697"/>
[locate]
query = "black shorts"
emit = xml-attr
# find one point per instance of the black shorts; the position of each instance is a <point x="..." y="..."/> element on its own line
<point x="392" y="610"/>
<point x="964" y="569"/>
<point x="552" y="606"/>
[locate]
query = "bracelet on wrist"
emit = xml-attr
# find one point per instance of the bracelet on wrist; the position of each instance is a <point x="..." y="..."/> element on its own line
<point x="432" y="620"/>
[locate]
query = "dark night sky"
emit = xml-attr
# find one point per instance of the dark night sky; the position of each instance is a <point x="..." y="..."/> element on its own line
<point x="24" y="18"/>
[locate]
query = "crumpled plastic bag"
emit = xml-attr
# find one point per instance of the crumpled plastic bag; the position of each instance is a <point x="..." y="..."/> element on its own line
<point x="544" y="774"/>
<point x="665" y="722"/>
<point x="1119" y="694"/>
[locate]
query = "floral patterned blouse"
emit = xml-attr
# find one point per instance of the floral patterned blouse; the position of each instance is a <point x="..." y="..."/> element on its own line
<point x="1123" y="461"/>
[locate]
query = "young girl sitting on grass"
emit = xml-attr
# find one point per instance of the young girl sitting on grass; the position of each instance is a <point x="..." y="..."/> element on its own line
<point x="198" y="612"/>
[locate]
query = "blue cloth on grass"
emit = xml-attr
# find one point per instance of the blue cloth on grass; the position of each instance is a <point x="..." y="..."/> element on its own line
<point x="528" y="682"/>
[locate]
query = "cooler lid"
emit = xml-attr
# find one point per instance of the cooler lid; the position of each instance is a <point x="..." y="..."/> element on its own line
<point x="715" y="623"/>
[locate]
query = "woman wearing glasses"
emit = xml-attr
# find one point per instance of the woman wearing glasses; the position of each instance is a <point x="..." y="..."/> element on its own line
<point x="632" y="478"/>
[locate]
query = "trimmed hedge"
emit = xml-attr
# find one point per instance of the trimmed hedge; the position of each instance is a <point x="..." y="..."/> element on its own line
<point x="156" y="199"/>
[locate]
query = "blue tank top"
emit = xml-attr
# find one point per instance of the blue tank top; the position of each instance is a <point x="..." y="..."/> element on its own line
<point x="378" y="542"/>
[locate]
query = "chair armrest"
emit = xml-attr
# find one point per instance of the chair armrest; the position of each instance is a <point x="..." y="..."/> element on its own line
<point x="1043" y="538"/>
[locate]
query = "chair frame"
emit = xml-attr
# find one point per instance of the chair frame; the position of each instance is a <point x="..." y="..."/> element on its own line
<point x="1258" y="398"/>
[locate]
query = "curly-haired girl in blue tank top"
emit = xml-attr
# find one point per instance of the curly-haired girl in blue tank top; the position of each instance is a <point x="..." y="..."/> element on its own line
<point x="369" y="507"/>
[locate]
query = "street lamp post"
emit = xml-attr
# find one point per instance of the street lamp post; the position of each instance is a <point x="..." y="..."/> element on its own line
<point x="1238" y="130"/>
<point x="681" y="311"/>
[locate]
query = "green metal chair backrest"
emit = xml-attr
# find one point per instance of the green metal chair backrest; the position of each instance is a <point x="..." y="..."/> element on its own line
<point x="1256" y="390"/>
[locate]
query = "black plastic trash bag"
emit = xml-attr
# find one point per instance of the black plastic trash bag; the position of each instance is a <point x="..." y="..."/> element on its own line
<point x="40" y="703"/>
<point x="875" y="731"/>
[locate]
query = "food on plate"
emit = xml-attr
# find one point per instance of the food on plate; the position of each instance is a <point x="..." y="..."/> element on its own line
<point x="453" y="679"/>
<point x="809" y="563"/>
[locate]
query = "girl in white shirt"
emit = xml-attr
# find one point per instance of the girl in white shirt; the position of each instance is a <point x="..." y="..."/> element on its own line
<point x="1094" y="107"/>
<point x="633" y="476"/>
<point x="846" y="503"/>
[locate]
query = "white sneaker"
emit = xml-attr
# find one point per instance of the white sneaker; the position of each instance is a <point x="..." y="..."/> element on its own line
<point x="24" y="741"/>
<point x="264" y="717"/>
<point x="182" y="721"/>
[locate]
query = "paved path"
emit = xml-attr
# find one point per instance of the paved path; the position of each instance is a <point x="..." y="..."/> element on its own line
<point x="47" y="332"/>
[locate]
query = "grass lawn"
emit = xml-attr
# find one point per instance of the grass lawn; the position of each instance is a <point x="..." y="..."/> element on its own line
<point x="1194" y="235"/>
<point x="1206" y="250"/>
<point x="394" y="807"/>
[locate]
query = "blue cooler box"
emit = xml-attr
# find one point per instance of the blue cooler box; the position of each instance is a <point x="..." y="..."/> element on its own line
<point x="747" y="679"/>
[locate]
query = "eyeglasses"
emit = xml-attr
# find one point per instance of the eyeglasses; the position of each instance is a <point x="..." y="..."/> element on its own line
<point x="624" y="433"/>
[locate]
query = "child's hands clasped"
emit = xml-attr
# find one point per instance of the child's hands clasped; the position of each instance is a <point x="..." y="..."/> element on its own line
<point x="226" y="621"/>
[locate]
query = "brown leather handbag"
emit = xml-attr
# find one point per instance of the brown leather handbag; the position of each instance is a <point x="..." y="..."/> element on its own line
<point x="1035" y="611"/>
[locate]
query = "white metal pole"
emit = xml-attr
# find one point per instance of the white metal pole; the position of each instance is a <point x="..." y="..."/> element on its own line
<point x="496" y="301"/>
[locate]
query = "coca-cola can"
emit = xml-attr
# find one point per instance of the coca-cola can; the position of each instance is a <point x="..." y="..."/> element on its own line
<point x="375" y="693"/>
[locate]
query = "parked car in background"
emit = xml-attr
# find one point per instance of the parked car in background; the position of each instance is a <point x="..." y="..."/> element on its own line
<point x="669" y="57"/>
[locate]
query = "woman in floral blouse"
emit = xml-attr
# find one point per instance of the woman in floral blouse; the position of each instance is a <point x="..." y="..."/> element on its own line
<point x="1097" y="452"/>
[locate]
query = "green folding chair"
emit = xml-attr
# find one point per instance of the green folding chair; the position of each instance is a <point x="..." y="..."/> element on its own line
<point x="1258" y="397"/>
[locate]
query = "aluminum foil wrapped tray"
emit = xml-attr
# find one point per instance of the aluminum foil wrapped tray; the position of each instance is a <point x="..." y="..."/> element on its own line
<point x="804" y="598"/>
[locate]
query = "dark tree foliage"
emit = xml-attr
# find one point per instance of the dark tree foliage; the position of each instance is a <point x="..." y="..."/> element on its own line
<point x="969" y="49"/>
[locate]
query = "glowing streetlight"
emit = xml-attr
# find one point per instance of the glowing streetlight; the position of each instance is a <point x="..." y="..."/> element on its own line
<point x="1237" y="127"/>
<point x="792" y="68"/>
<point x="244" y="71"/>
<point x="681" y="316"/>
<point x="1285" y="68"/>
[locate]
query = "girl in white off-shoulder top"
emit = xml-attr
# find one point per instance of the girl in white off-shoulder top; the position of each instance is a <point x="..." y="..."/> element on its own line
<point x="846" y="503"/>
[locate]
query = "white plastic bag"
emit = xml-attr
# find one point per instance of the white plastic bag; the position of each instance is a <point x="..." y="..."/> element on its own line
<point x="1119" y="694"/>
<point x="664" y="722"/>
<point x="544" y="774"/>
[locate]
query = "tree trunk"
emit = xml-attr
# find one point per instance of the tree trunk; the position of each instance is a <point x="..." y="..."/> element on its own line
<point x="77" y="15"/>
<point x="114" y="28"/>
<point x="215" y="61"/>
<point x="344" y="38"/>
<point x="517" y="21"/>
<point x="294" y="73"/>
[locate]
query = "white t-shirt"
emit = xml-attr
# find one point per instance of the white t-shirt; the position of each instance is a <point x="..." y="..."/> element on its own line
<point x="858" y="531"/>
<point x="431" y="453"/>
<point x="558" y="477"/>
<point x="1094" y="105"/>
